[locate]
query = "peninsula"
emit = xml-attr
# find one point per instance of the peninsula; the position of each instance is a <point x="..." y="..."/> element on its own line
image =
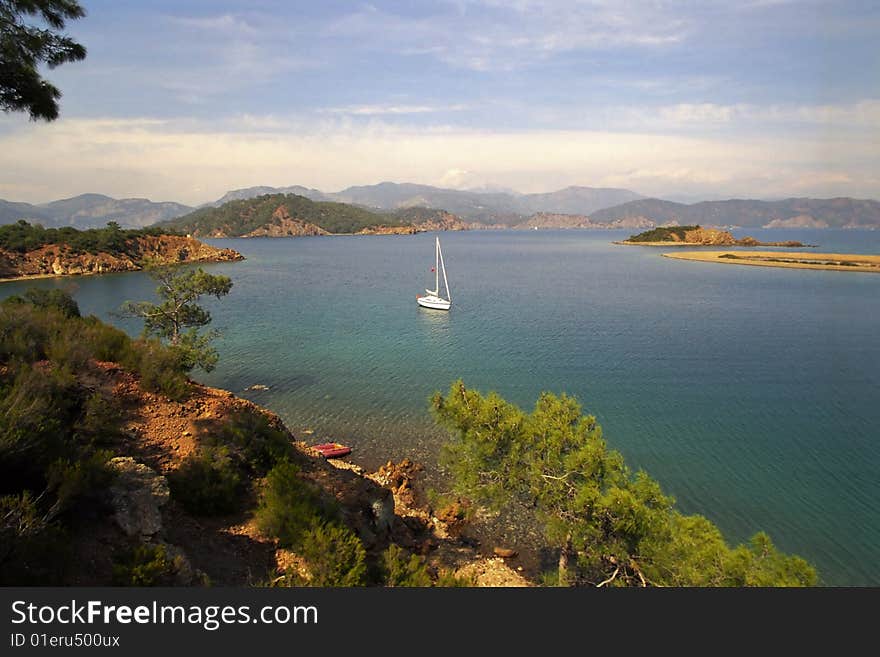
<point x="28" y="251"/>
<point x="827" y="261"/>
<point x="698" y="236"/>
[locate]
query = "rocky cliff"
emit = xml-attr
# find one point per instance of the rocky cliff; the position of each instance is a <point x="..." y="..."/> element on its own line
<point x="61" y="260"/>
<point x="158" y="434"/>
<point x="283" y="225"/>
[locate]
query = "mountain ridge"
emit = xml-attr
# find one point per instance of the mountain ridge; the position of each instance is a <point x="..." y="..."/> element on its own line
<point x="795" y="212"/>
<point x="92" y="210"/>
<point x="602" y="206"/>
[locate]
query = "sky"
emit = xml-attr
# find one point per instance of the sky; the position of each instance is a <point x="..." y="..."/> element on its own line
<point x="186" y="100"/>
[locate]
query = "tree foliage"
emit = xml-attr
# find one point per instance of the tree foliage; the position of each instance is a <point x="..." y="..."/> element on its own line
<point x="610" y="526"/>
<point x="23" y="237"/>
<point x="178" y="317"/>
<point x="24" y="47"/>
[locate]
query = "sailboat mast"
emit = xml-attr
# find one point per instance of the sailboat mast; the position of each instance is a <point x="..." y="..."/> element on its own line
<point x="437" y="267"/>
<point x="445" y="282"/>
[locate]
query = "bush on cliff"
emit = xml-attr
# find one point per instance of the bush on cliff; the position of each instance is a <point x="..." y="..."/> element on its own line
<point x="260" y="445"/>
<point x="145" y="565"/>
<point x="289" y="507"/>
<point x="207" y="483"/>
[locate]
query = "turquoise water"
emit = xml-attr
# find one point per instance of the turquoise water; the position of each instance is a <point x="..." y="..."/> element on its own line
<point x="752" y="394"/>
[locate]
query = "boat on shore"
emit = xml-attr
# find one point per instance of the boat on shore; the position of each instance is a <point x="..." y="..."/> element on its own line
<point x="332" y="450"/>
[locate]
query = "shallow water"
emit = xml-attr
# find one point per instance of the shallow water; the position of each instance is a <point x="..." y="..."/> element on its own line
<point x="752" y="394"/>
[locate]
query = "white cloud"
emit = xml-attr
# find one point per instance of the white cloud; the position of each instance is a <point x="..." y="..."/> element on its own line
<point x="194" y="162"/>
<point x="378" y="110"/>
<point x="513" y="35"/>
<point x="222" y="23"/>
<point x="862" y="117"/>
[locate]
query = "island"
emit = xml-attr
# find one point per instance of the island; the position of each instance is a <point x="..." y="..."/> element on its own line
<point x="31" y="251"/>
<point x="291" y="215"/>
<point x="828" y="261"/>
<point x="698" y="236"/>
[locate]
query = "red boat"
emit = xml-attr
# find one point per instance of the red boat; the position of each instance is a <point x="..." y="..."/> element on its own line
<point x="332" y="450"/>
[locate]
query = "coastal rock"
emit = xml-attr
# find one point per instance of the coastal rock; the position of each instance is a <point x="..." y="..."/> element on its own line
<point x="707" y="237"/>
<point x="59" y="260"/>
<point x="389" y="230"/>
<point x="137" y="494"/>
<point x="400" y="478"/>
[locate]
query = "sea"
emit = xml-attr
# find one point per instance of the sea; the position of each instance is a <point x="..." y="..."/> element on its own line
<point x="752" y="394"/>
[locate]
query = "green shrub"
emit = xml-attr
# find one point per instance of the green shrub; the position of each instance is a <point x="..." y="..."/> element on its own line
<point x="335" y="556"/>
<point x="402" y="570"/>
<point x="448" y="579"/>
<point x="36" y="413"/>
<point x="57" y="299"/>
<point x="80" y="484"/>
<point x="25" y="331"/>
<point x="289" y="507"/>
<point x="207" y="483"/>
<point x="99" y="421"/>
<point x="32" y="552"/>
<point x="145" y="565"/>
<point x="260" y="444"/>
<point x="160" y="370"/>
<point x="68" y="350"/>
<point x="108" y="343"/>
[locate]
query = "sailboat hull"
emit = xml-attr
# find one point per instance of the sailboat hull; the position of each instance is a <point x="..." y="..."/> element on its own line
<point x="435" y="303"/>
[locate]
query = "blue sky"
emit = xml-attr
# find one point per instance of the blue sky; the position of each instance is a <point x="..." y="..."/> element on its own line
<point x="185" y="100"/>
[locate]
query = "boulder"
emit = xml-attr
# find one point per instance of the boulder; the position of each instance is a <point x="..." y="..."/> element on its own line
<point x="138" y="493"/>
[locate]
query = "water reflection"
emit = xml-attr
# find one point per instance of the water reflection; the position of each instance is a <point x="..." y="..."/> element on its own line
<point x="435" y="324"/>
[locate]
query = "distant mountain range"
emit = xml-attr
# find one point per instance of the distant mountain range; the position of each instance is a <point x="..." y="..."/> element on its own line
<point x="488" y="207"/>
<point x="587" y="207"/>
<point x="92" y="211"/>
<point x="788" y="213"/>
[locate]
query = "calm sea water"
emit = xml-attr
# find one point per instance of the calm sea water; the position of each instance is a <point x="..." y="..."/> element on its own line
<point x="752" y="394"/>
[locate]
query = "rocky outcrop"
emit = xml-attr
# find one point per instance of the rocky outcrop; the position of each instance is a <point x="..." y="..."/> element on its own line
<point x="715" y="237"/>
<point x="137" y="495"/>
<point x="283" y="225"/>
<point x="698" y="236"/>
<point x="441" y="221"/>
<point x="389" y="230"/>
<point x="60" y="260"/>
<point x="707" y="237"/>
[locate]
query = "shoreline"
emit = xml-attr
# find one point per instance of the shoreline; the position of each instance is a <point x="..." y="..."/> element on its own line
<point x="817" y="261"/>
<point x="697" y="244"/>
<point x="28" y="277"/>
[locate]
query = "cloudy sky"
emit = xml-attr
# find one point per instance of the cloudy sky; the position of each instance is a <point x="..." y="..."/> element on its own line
<point x="185" y="100"/>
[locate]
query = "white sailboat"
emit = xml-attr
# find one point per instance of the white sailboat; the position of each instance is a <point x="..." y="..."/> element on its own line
<point x="433" y="298"/>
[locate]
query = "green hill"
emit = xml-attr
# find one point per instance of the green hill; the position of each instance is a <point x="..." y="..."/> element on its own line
<point x="243" y="217"/>
<point x="663" y="234"/>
